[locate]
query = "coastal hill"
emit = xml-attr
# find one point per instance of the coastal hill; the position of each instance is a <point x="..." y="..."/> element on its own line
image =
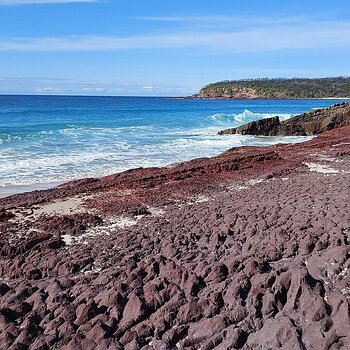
<point x="280" y="88"/>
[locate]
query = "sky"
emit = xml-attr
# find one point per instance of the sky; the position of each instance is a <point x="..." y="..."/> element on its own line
<point x="166" y="48"/>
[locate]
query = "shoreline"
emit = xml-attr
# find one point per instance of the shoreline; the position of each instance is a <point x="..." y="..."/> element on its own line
<point x="202" y="137"/>
<point x="8" y="191"/>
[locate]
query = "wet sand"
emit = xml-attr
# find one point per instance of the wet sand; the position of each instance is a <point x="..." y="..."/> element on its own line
<point x="11" y="190"/>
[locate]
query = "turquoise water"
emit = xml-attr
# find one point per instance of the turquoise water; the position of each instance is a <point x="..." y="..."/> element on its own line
<point x="52" y="139"/>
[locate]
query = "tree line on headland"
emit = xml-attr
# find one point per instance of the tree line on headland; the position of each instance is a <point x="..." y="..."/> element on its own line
<point x="278" y="88"/>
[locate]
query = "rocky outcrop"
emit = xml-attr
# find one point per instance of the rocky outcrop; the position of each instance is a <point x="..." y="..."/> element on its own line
<point x="266" y="127"/>
<point x="246" y="250"/>
<point x="312" y="123"/>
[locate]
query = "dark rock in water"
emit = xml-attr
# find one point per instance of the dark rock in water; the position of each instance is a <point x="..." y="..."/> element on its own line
<point x="266" y="127"/>
<point x="312" y="123"/>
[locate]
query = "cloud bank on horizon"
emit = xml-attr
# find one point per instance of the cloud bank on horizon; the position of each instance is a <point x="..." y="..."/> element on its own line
<point x="156" y="48"/>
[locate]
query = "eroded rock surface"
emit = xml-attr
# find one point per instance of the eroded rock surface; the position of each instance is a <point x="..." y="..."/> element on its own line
<point x="247" y="250"/>
<point x="311" y="123"/>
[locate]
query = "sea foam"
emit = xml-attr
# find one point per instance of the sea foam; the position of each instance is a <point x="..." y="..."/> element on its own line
<point x="57" y="139"/>
<point x="247" y="116"/>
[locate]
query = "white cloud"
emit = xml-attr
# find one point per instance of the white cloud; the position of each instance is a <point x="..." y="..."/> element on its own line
<point x="219" y="19"/>
<point x="267" y="37"/>
<point x="44" y="89"/>
<point x="189" y="18"/>
<point x="90" y="89"/>
<point x="27" y="2"/>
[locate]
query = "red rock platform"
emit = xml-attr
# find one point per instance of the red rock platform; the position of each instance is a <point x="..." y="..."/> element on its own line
<point x="246" y="250"/>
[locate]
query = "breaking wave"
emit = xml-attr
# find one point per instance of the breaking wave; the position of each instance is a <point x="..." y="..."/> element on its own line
<point x="247" y="116"/>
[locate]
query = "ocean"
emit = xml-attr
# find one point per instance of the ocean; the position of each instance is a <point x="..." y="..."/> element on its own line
<point x="46" y="140"/>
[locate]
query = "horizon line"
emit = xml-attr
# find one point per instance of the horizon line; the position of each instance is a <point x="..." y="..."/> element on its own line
<point x="87" y="95"/>
<point x="190" y="97"/>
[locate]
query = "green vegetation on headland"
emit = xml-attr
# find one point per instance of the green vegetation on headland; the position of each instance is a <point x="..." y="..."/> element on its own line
<point x="280" y="88"/>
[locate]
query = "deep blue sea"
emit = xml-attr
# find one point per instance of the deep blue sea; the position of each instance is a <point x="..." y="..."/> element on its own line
<point x="49" y="139"/>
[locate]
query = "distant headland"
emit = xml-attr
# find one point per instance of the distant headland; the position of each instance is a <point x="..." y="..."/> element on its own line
<point x="278" y="88"/>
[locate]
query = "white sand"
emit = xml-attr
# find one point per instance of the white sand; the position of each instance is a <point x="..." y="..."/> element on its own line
<point x="321" y="168"/>
<point x="111" y="226"/>
<point x="201" y="199"/>
<point x="68" y="239"/>
<point x="63" y="207"/>
<point x="255" y="182"/>
<point x="245" y="185"/>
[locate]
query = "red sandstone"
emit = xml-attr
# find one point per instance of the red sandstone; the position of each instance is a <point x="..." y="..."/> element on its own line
<point x="246" y="250"/>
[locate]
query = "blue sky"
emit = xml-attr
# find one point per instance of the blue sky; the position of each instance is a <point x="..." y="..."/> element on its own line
<point x="158" y="47"/>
